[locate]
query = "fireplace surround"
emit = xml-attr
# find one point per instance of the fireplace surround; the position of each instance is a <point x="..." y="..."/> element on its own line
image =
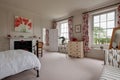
<point x="22" y="43"/>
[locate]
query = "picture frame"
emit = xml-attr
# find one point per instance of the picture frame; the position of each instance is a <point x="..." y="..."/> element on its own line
<point x="22" y="24"/>
<point x="78" y="28"/>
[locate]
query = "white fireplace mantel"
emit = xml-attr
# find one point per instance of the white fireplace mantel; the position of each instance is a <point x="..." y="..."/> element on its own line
<point x="12" y="40"/>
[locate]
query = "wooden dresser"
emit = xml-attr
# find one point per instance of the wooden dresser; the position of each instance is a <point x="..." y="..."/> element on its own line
<point x="75" y="49"/>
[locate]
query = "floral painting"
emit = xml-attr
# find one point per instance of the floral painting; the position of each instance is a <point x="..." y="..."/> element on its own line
<point x="22" y="24"/>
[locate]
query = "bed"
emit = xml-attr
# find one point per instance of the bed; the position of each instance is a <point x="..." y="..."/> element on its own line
<point x="16" y="61"/>
<point x="111" y="70"/>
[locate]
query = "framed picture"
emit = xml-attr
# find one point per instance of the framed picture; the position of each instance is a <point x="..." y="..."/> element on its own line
<point x="78" y="28"/>
<point x="22" y="24"/>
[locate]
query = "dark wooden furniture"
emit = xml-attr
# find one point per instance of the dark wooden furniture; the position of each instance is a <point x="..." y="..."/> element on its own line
<point x="119" y="64"/>
<point x="38" y="49"/>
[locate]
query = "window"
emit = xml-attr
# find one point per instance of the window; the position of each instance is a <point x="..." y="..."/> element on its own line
<point x="103" y="25"/>
<point x="63" y="30"/>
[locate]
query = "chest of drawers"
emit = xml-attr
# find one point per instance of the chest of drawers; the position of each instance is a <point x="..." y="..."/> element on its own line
<point x="75" y="49"/>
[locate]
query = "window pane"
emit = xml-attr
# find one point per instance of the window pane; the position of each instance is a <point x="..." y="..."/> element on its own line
<point x="65" y="36"/>
<point x="103" y="33"/>
<point x="62" y="26"/>
<point x="102" y="38"/>
<point x="61" y="30"/>
<point x="96" y="32"/>
<point x="96" y="35"/>
<point x="103" y="24"/>
<point x="96" y="19"/>
<point x="96" y="25"/>
<point x="109" y="33"/>
<point x="61" y="35"/>
<point x="96" y="41"/>
<point x="67" y="29"/>
<point x="110" y="16"/>
<point x="66" y="24"/>
<point x="64" y="30"/>
<point x="102" y="27"/>
<point x="103" y="17"/>
<point x="110" y="24"/>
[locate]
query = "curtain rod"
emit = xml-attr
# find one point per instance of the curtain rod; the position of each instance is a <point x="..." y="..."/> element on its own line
<point x="102" y="8"/>
<point x="63" y="19"/>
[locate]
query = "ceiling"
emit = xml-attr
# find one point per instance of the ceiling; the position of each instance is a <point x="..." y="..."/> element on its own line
<point x="54" y="9"/>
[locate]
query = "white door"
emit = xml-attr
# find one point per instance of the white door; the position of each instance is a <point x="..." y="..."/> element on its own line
<point x="53" y="40"/>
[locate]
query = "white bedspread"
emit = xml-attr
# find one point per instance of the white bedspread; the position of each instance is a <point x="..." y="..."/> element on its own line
<point x="15" y="61"/>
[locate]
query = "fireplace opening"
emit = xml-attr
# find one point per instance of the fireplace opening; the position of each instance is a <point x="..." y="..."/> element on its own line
<point x="25" y="45"/>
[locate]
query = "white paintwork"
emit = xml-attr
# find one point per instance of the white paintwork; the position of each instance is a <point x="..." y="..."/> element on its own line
<point x="53" y="40"/>
<point x="21" y="39"/>
<point x="15" y="61"/>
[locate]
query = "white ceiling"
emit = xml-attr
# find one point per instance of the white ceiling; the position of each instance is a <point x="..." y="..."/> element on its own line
<point x="54" y="9"/>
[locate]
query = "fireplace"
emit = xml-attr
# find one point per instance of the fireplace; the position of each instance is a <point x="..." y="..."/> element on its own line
<point x="22" y="43"/>
<point x="25" y="45"/>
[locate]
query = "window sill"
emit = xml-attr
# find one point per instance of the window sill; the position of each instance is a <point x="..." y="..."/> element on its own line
<point x="98" y="46"/>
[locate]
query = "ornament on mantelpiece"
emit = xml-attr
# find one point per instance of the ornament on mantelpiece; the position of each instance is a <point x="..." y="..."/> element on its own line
<point x="21" y="36"/>
<point x="34" y="36"/>
<point x="9" y="36"/>
<point x="39" y="39"/>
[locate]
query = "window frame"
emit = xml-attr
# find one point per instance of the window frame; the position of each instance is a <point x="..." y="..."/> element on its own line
<point x="59" y="30"/>
<point x="92" y="28"/>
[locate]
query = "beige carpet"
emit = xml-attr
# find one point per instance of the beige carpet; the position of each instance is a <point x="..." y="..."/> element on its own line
<point x="56" y="66"/>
